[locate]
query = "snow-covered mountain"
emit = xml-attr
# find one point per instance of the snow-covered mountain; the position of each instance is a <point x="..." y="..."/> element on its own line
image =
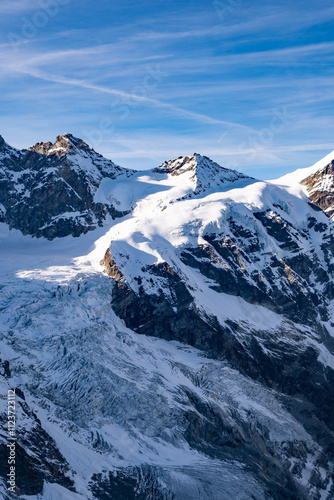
<point x="48" y="190"/>
<point x="181" y="350"/>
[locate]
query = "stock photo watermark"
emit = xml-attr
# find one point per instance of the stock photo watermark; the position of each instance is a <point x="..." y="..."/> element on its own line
<point x="33" y="24"/>
<point x="11" y="438"/>
<point x="256" y="142"/>
<point x="123" y="105"/>
<point x="224" y="8"/>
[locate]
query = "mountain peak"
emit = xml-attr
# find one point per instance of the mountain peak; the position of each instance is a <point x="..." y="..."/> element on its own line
<point x="8" y="153"/>
<point x="63" y="145"/>
<point x="62" y="178"/>
<point x="4" y="145"/>
<point x="182" y="164"/>
<point x="201" y="170"/>
<point x="194" y="162"/>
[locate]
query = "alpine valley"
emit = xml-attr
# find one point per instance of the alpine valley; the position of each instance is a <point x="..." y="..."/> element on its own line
<point x="169" y="333"/>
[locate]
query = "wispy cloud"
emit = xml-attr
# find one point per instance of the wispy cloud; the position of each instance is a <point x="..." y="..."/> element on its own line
<point x="260" y="19"/>
<point x="223" y="77"/>
<point x="131" y="97"/>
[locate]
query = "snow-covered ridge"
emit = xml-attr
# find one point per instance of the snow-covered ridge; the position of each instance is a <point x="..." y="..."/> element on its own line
<point x="299" y="175"/>
<point x="76" y="189"/>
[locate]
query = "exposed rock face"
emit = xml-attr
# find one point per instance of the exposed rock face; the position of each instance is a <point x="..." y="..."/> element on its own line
<point x="320" y="187"/>
<point x="63" y="145"/>
<point x="48" y="190"/>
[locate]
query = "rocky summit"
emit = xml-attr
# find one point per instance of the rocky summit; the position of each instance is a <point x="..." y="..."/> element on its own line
<point x="48" y="190"/>
<point x="169" y="333"/>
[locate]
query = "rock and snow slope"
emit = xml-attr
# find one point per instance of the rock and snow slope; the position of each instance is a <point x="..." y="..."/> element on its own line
<point x="48" y="190"/>
<point x="183" y="349"/>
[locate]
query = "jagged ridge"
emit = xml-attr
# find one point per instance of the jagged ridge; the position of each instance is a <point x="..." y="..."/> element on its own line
<point x="204" y="172"/>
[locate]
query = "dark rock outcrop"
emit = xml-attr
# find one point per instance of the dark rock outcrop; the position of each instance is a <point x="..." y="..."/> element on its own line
<point x="37" y="458"/>
<point x="320" y="187"/>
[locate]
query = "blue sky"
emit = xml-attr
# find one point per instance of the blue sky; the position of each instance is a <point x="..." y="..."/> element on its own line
<point x="249" y="84"/>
